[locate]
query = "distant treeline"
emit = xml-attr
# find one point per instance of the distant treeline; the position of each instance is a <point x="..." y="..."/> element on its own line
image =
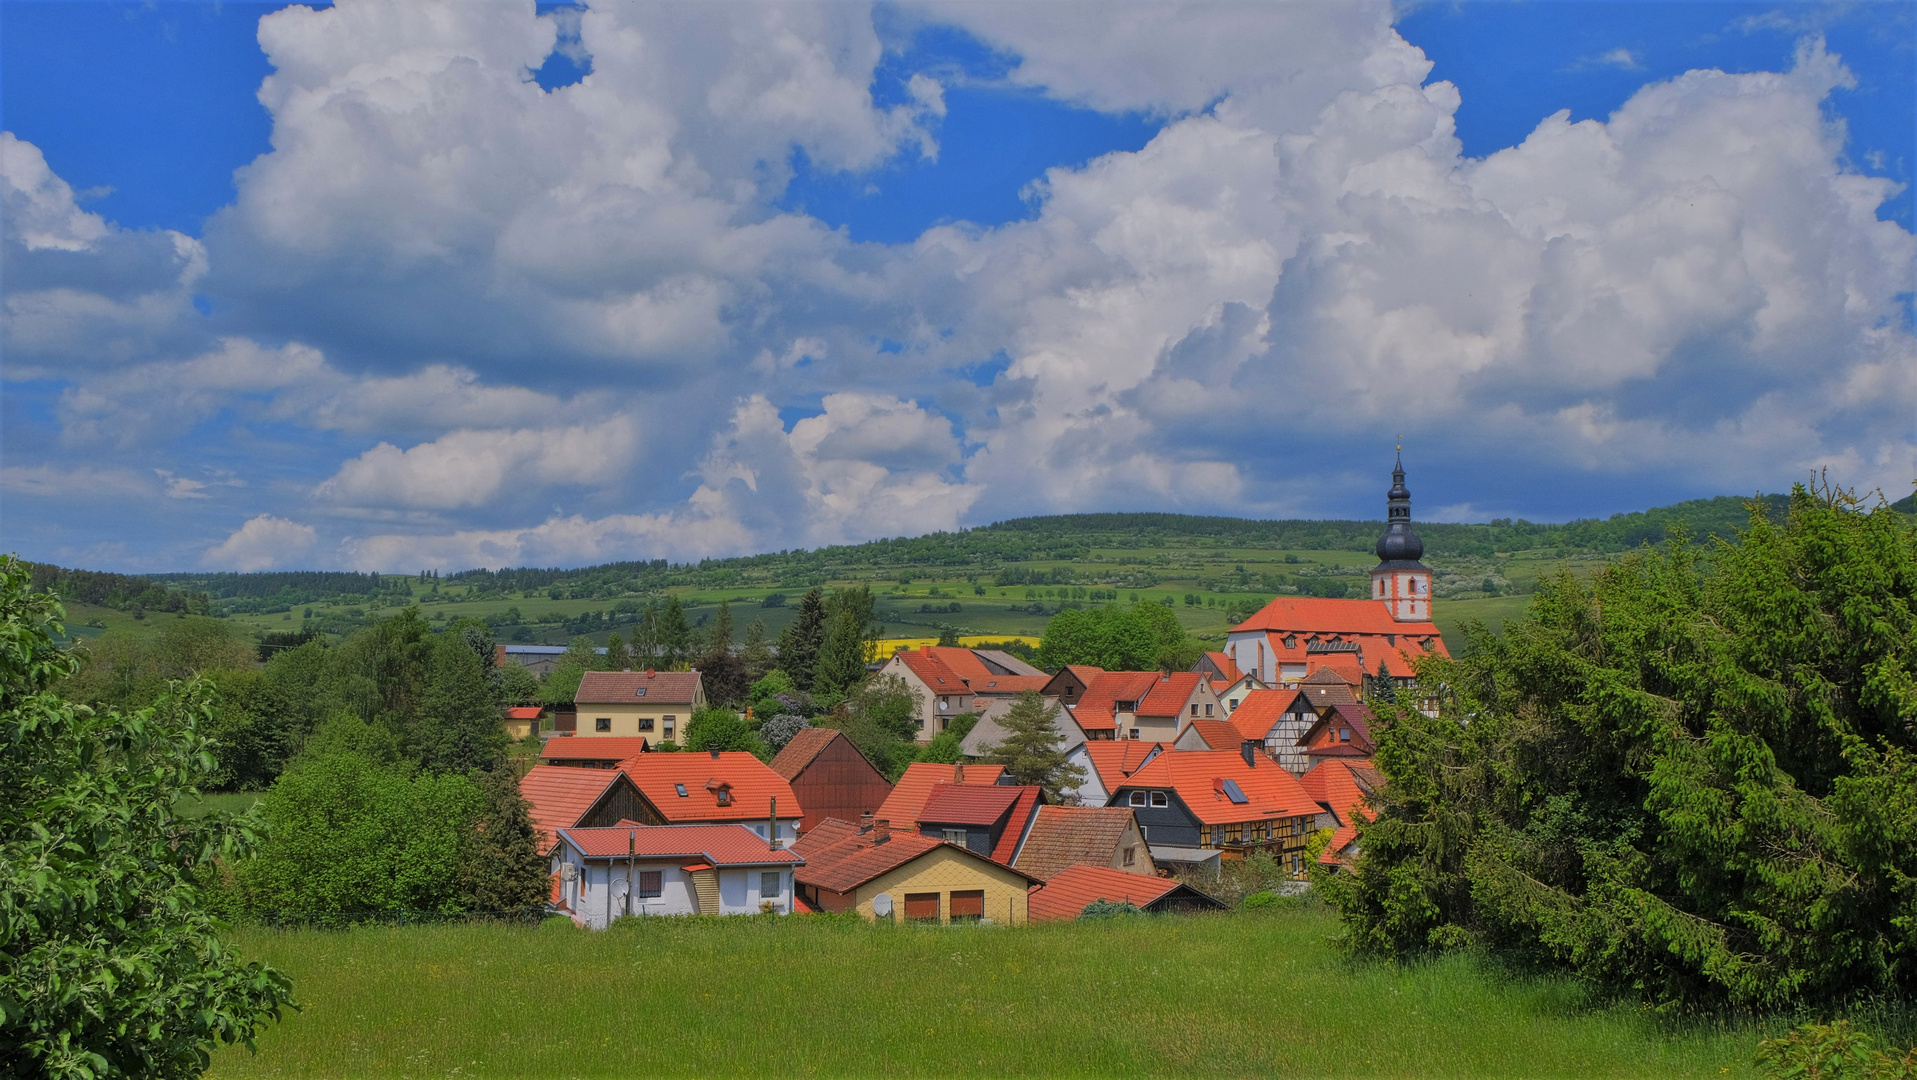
<point x="120" y="591"/>
<point x="292" y="586"/>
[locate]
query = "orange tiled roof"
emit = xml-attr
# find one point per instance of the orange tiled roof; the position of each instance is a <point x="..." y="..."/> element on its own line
<point x="560" y="795"/>
<point x="1117" y="759"/>
<point x="908" y="796"/>
<point x="622" y="687"/>
<point x="1335" y="852"/>
<point x="1006" y="685"/>
<point x="1097" y="707"/>
<point x="962" y="660"/>
<point x="753" y="785"/>
<point x="1197" y="776"/>
<point x="1030" y="797"/>
<point x="1218" y="734"/>
<point x="1259" y="712"/>
<point x="1063" y="835"/>
<point x="932" y="671"/>
<point x="1308" y="614"/>
<point x="794" y="756"/>
<point x="524" y="712"/>
<point x="1334" y="784"/>
<point x="1169" y="694"/>
<point x="823" y="835"/>
<point x="613" y="748"/>
<point x="1066" y="893"/>
<point x="720" y="845"/>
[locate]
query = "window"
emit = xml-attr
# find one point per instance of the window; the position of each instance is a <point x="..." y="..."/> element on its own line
<point x="1234" y="703"/>
<point x="1344" y="734"/>
<point x="1134" y="733"/>
<point x="668" y="727"/>
<point x="1194" y="708"/>
<point x="1138" y="798"/>
<point x="769" y="884"/>
<point x="1208" y="710"/>
<point x="724" y="794"/>
<point x="955" y="836"/>
<point x="968" y="904"/>
<point x="922" y="906"/>
<point x="1159" y="799"/>
<point x="1204" y="836"/>
<point x="604" y="723"/>
<point x="1234" y="833"/>
<point x="645" y="723"/>
<point x="1127" y="706"/>
<point x="681" y="789"/>
<point x="1131" y="854"/>
<point x="641" y="692"/>
<point x="651" y="883"/>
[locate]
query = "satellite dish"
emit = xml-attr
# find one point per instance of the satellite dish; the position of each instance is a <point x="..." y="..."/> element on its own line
<point x="882" y="905"/>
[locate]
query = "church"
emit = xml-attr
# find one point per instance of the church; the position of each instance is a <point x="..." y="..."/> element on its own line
<point x="1295" y="637"/>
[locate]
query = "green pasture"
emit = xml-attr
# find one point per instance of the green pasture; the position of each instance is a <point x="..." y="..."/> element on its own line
<point x="1181" y="570"/>
<point x="1246" y="994"/>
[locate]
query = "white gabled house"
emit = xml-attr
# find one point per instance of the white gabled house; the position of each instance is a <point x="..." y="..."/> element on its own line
<point x="602" y="874"/>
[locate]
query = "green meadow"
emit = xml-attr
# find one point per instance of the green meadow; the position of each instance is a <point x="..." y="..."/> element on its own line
<point x="1244" y="994"/>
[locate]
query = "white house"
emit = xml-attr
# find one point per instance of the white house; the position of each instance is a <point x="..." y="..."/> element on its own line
<point x="606" y="873"/>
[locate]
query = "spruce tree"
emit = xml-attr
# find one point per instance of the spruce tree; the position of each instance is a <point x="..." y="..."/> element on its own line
<point x="503" y="868"/>
<point x="755" y="653"/>
<point x="645" y="638"/>
<point x="719" y="639"/>
<point x="799" y="645"/>
<point x="460" y="726"/>
<point x="842" y="656"/>
<point x="1033" y="750"/>
<point x="616" y="658"/>
<point x="675" y="634"/>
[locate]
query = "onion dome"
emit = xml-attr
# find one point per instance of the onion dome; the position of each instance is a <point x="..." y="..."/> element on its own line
<point x="1399" y="544"/>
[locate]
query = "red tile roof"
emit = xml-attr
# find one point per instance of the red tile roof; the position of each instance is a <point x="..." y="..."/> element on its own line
<point x="1336" y="785"/>
<point x="1197" y="776"/>
<point x="1066" y="893"/>
<point x="855" y="860"/>
<point x="560" y="795"/>
<point x="1336" y="851"/>
<point x="1226" y="666"/>
<point x="1063" y="835"/>
<point x="932" y="671"/>
<point x="1310" y="614"/>
<point x="968" y="804"/>
<point x="1170" y="693"/>
<point x="524" y="712"/>
<point x="613" y="748"/>
<point x="1018" y="823"/>
<point x="1097" y="706"/>
<point x="1260" y="711"/>
<point x="622" y="687"/>
<point x="720" y="845"/>
<point x="964" y="661"/>
<point x="1218" y="734"/>
<point x="794" y="756"/>
<point x="1116" y="759"/>
<point x="908" y="796"/>
<point x="753" y="786"/>
<point x="824" y="835"/>
<point x="1007" y="685"/>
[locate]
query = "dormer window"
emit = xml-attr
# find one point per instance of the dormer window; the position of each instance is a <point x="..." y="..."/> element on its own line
<point x="1127" y="706"/>
<point x="1138" y="798"/>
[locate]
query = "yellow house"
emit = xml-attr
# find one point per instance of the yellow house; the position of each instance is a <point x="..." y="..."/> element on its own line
<point x="906" y="877"/>
<point x="654" y="705"/>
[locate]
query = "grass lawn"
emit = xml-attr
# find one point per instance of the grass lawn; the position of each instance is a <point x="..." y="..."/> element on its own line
<point x="1247" y="994"/>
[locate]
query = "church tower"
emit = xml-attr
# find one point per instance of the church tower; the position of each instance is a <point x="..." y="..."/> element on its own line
<point x="1399" y="579"/>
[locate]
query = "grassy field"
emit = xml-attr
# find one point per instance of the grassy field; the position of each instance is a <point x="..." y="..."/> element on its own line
<point x="1247" y="994"/>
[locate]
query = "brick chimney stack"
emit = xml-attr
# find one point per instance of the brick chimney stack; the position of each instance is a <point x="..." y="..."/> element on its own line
<point x="881" y="831"/>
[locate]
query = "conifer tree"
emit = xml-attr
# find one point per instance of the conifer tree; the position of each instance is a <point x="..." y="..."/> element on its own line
<point x="755" y="653"/>
<point x="675" y="634"/>
<point x="503" y="868"/>
<point x="1033" y="751"/>
<point x="799" y="644"/>
<point x="460" y="726"/>
<point x="842" y="656"/>
<point x="616" y="658"/>
<point x="719" y="639"/>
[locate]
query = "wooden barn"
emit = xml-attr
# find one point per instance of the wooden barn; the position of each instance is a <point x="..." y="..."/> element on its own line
<point x="830" y="777"/>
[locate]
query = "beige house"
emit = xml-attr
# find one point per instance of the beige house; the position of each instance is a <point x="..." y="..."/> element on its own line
<point x="906" y="877"/>
<point x="654" y="705"/>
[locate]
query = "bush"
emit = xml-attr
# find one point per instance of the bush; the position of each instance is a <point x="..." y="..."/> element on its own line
<point x="1832" y="1051"/>
<point x="1110" y="909"/>
<point x="722" y="729"/>
<point x="779" y="730"/>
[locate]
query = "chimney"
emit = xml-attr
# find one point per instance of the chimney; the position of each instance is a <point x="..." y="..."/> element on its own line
<point x="958" y="773"/>
<point x="715" y="753"/>
<point x="1250" y="750"/>
<point x="772" y="824"/>
<point x="865" y="822"/>
<point x="881" y="831"/>
<point x="650" y="673"/>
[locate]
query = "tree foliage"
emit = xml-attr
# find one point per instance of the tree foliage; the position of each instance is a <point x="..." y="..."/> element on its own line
<point x="799" y="644"/>
<point x="503" y="870"/>
<point x="112" y="965"/>
<point x="849" y="634"/>
<point x="1141" y="637"/>
<point x="1691" y="778"/>
<point x="723" y="729"/>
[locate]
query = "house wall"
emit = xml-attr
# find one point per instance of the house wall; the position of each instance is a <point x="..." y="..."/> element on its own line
<point x="633" y="719"/>
<point x="941" y="871"/>
<point x="1092" y="792"/>
<point x="932" y="718"/>
<point x="739" y="889"/>
<point x="622" y="802"/>
<point x="1172" y="824"/>
<point x="839" y="783"/>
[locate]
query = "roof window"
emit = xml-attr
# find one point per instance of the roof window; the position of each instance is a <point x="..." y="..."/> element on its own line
<point x="681" y="789"/>
<point x="1233" y="792"/>
<point x="641" y="692"/>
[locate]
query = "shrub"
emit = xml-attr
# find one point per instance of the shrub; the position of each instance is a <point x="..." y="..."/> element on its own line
<point x="1110" y="909"/>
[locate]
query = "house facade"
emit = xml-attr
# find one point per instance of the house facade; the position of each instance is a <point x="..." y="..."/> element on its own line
<point x="655" y="705"/>
<point x="989" y="820"/>
<point x="603" y="874"/>
<point x="948" y="682"/>
<point x="1196" y="805"/>
<point x="714" y="788"/>
<point x="562" y="797"/>
<point x="1151" y="706"/>
<point x="1064" y="836"/>
<point x="907" y="877"/>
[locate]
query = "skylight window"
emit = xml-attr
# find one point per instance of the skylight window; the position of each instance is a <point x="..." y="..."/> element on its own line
<point x="681" y="789"/>
<point x="1235" y="793"/>
<point x="641" y="692"/>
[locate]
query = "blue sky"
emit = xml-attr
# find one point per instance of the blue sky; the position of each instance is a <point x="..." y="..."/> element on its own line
<point x="529" y="301"/>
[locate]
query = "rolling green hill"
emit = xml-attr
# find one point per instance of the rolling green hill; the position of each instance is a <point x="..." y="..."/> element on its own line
<point x="1005" y="578"/>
